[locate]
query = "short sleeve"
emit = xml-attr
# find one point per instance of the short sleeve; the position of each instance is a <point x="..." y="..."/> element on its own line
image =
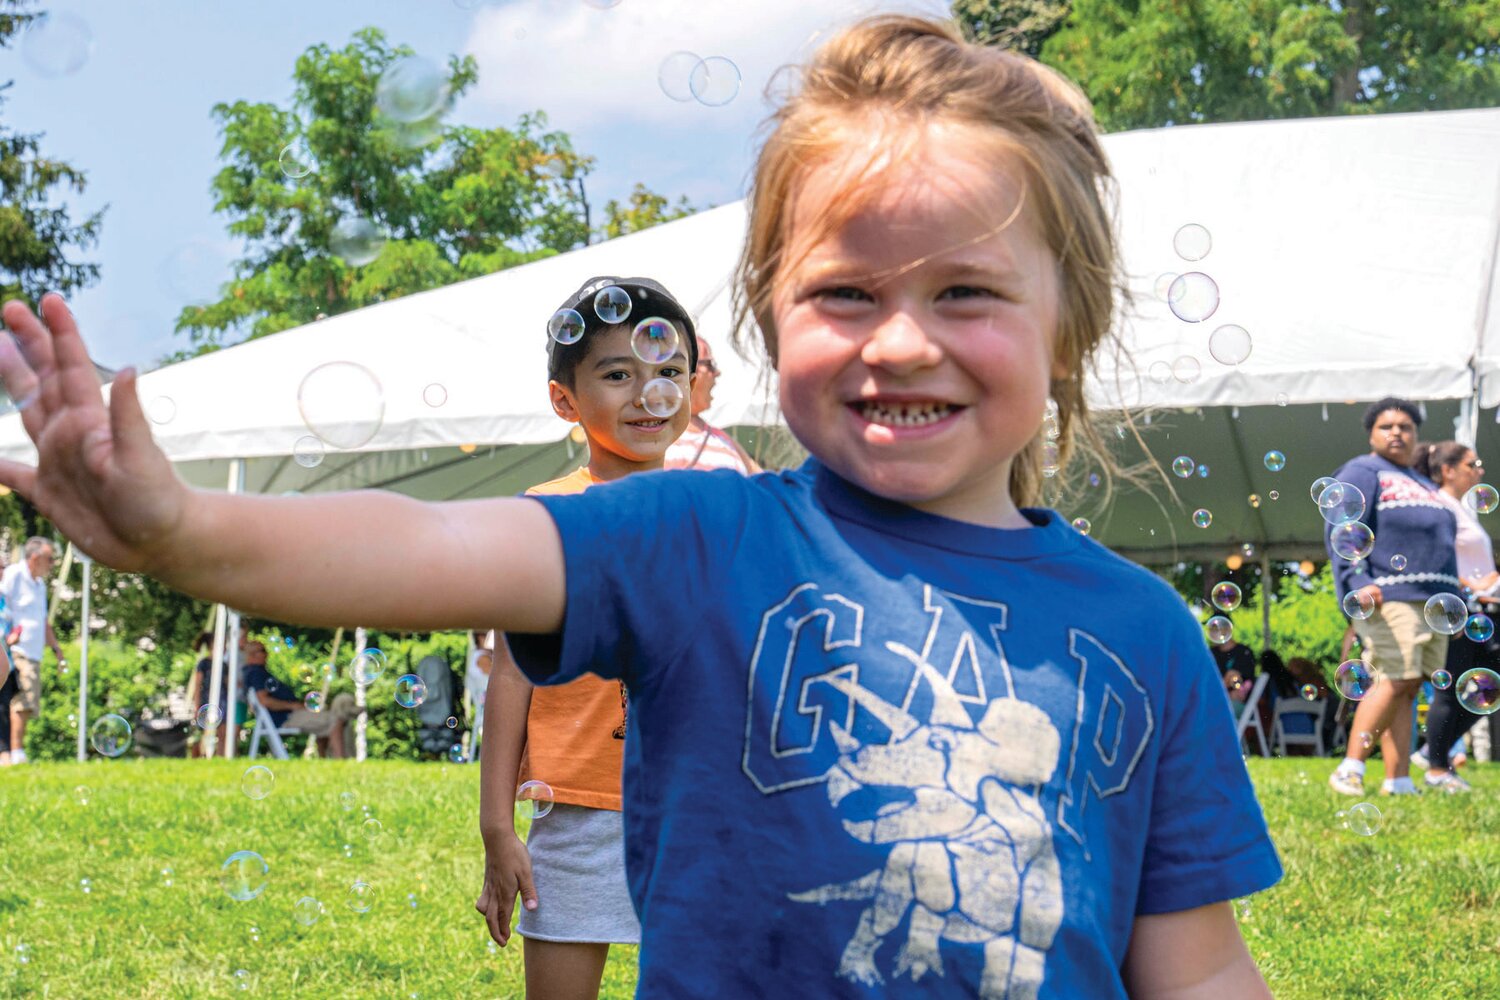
<point x="637" y="557"/>
<point x="1208" y="840"/>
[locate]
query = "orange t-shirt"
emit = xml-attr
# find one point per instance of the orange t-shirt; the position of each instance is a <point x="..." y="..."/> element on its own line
<point x="575" y="732"/>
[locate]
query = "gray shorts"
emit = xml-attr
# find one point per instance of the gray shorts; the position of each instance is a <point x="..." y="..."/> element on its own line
<point x="578" y="865"/>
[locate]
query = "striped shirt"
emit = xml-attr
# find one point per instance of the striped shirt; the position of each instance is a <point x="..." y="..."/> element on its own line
<point x="705" y="448"/>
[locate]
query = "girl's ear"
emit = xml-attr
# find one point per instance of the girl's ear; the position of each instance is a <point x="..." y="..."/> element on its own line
<point x="563" y="403"/>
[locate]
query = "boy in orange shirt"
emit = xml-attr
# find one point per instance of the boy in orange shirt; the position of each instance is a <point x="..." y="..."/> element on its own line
<point x="622" y="355"/>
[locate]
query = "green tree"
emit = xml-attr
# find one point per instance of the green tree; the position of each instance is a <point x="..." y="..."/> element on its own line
<point x="1147" y="63"/>
<point x="38" y="238"/>
<point x="451" y="202"/>
<point x="644" y="209"/>
<point x="1022" y="25"/>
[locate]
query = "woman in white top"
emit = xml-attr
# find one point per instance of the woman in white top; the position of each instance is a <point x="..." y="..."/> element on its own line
<point x="701" y="445"/>
<point x="1456" y="470"/>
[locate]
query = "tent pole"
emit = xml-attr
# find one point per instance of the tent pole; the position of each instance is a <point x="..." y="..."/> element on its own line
<point x="83" y="660"/>
<point x="1267" y="588"/>
<point x="359" y="697"/>
<point x="236" y="485"/>
<point x="216" y="671"/>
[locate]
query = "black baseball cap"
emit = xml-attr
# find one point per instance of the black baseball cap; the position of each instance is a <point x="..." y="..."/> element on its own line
<point x="647" y="298"/>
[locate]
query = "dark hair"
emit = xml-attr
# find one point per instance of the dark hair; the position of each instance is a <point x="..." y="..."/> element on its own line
<point x="1406" y="406"/>
<point x="204" y="640"/>
<point x="648" y="298"/>
<point x="1433" y="458"/>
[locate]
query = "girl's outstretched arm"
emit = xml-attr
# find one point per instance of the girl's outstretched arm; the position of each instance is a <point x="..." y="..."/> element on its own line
<point x="370" y="558"/>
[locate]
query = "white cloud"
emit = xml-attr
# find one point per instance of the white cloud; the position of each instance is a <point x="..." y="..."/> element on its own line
<point x="591" y="69"/>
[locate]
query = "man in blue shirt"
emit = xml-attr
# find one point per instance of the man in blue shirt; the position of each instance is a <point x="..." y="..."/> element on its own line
<point x="288" y="710"/>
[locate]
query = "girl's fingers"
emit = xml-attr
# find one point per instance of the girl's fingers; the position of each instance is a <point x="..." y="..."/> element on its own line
<point x="78" y="379"/>
<point x="18" y="476"/>
<point x="129" y="430"/>
<point x="35" y="342"/>
<point x="20" y="382"/>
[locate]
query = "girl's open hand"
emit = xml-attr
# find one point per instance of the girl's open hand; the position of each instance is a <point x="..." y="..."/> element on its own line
<point x="99" y="475"/>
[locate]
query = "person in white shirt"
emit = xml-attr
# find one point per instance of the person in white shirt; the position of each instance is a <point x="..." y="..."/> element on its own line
<point x="702" y="446"/>
<point x="24" y="587"/>
<point x="477" y="677"/>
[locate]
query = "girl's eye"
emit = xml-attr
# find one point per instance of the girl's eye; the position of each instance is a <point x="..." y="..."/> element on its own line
<point x="966" y="292"/>
<point x="669" y="372"/>
<point x="617" y="376"/>
<point x="846" y="293"/>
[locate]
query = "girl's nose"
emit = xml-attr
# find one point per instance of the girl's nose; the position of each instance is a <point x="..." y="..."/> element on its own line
<point x="899" y="344"/>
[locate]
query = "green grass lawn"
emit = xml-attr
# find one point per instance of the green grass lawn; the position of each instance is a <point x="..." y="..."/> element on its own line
<point x="1409" y="912"/>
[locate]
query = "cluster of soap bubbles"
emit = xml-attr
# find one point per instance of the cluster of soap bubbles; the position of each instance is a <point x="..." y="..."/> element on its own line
<point x="1193" y="297"/>
<point x="685" y="77"/>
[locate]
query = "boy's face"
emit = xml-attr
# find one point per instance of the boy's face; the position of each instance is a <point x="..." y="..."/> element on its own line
<point x="915" y="343"/>
<point x="605" y="399"/>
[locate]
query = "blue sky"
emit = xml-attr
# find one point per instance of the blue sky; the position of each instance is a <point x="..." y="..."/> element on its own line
<point x="135" y="116"/>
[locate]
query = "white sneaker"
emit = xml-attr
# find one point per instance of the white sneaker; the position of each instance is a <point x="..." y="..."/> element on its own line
<point x="1448" y="782"/>
<point x="1346" y="783"/>
<point x="1389" y="787"/>
<point x="18" y="756"/>
<point x="1419" y="761"/>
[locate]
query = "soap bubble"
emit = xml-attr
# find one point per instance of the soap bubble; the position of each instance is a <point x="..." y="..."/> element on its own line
<point x="296" y="159"/>
<point x="347" y="801"/>
<point x="1230" y="344"/>
<point x="612" y="305"/>
<point x="1275" y="461"/>
<point x="674" y="73"/>
<point x="1226" y="596"/>
<point x="1182" y="467"/>
<point x="314" y="701"/>
<point x="1398" y="562"/>
<point x="356" y="240"/>
<point x="82" y="794"/>
<point x="457" y="754"/>
<point x="1353" y="679"/>
<point x="451" y="722"/>
<point x="1192" y="242"/>
<point x="372" y="828"/>
<point x="368" y="666"/>
<point x="1051" y="459"/>
<point x="86" y="885"/>
<point x="411" y="691"/>
<point x="1220" y="629"/>
<point x="1364" y="819"/>
<point x="257" y="781"/>
<point x="1478" y="690"/>
<point x="1309" y="692"/>
<point x="57" y="44"/>
<point x="308" y="451"/>
<point x="566" y="326"/>
<point x="161" y="410"/>
<point x="1482" y="498"/>
<point x="1352" y="540"/>
<point x="1479" y="628"/>
<point x="1082" y="525"/>
<point x="244" y="875"/>
<point x="1202" y="517"/>
<point x="1193" y="297"/>
<point x="1446" y="613"/>
<point x="534" y="799"/>
<point x="208" y="716"/>
<point x="714" y="81"/>
<point x="435" y="394"/>
<point x="1442" y="679"/>
<point x="307" y="911"/>
<point x="360" y="898"/>
<point x="412" y="89"/>
<point x="1186" y="369"/>
<point x="1203" y="472"/>
<point x="1341" y="503"/>
<point x="110" y="735"/>
<point x="661" y="397"/>
<point x="342" y="403"/>
<point x="1319" y="485"/>
<point x="654" y="340"/>
<point x="1161" y="373"/>
<point x="1254" y="499"/>
<point x="1274" y="495"/>
<point x="1359" y="605"/>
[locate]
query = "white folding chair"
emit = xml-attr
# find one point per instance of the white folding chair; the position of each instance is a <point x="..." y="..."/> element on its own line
<point x="266" y="728"/>
<point x="1310" y="710"/>
<point x="1250" y="717"/>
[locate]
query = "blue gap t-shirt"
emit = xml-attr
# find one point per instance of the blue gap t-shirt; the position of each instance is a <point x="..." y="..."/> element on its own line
<point x="258" y="678"/>
<point x="874" y="749"/>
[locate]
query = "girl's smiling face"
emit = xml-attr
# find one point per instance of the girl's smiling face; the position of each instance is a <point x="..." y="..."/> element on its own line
<point x="915" y="341"/>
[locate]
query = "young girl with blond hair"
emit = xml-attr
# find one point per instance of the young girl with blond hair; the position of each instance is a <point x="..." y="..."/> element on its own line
<point x="913" y="734"/>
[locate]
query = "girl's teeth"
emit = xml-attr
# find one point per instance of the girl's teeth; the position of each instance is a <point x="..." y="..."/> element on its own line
<point x="905" y="414"/>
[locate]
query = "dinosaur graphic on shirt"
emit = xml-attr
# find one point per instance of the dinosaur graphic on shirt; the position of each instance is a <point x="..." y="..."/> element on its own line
<point x="971" y="858"/>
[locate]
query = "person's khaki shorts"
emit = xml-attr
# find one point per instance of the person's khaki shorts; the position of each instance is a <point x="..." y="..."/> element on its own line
<point x="339" y="711"/>
<point x="1398" y="644"/>
<point x="28" y="698"/>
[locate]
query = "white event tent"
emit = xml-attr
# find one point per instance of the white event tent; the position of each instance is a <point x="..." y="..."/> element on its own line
<point x="1360" y="253"/>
